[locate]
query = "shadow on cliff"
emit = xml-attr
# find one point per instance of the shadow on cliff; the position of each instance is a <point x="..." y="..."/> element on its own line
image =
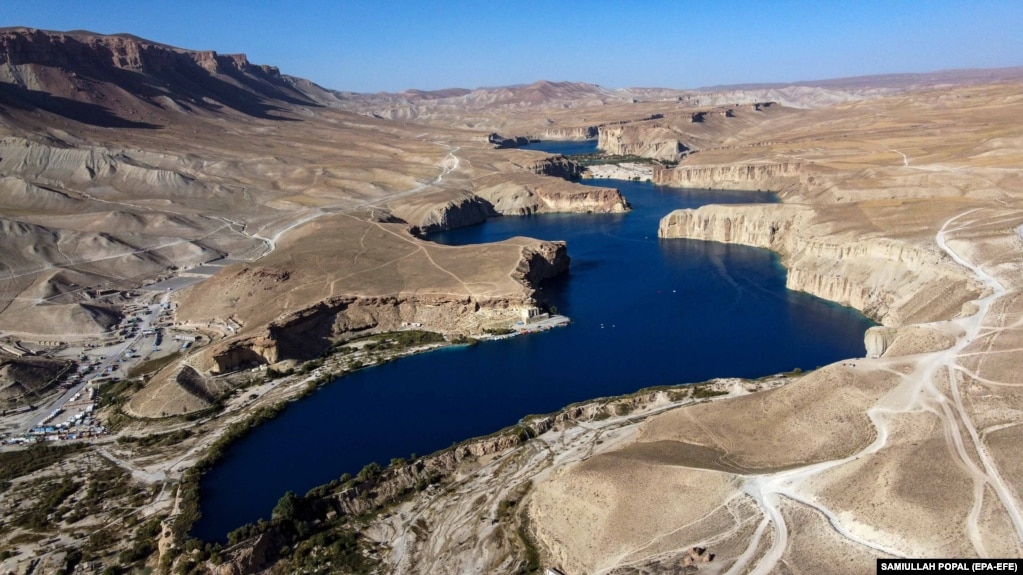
<point x="177" y="75"/>
<point x="14" y="96"/>
<point x="79" y="74"/>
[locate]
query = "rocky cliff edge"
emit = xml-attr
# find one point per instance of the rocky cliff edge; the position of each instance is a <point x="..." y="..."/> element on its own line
<point x="895" y="282"/>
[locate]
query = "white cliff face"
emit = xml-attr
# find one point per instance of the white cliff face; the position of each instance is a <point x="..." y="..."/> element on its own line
<point x="761" y="174"/>
<point x="523" y="198"/>
<point x="657" y="142"/>
<point x="908" y="340"/>
<point x="577" y="133"/>
<point x="893" y="282"/>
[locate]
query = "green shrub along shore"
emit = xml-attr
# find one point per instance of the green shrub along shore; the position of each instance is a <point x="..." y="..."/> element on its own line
<point x="306" y="538"/>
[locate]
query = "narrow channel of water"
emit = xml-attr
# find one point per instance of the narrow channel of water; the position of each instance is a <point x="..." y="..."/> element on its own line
<point x="645" y="312"/>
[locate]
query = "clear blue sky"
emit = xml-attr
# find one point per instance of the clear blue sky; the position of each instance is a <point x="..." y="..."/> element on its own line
<point x="370" y="46"/>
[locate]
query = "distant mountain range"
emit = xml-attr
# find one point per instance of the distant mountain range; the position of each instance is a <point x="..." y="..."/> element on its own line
<point x="126" y="81"/>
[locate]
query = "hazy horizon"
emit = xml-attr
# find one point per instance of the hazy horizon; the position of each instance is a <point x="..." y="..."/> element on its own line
<point x="361" y="46"/>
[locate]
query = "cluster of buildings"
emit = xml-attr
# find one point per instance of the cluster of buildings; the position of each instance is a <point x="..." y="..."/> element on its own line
<point x="75" y="420"/>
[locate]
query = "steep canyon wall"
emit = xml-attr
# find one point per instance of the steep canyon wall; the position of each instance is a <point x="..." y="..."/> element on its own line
<point x="657" y="142"/>
<point x="305" y="333"/>
<point x="894" y="282"/>
<point x="739" y="176"/>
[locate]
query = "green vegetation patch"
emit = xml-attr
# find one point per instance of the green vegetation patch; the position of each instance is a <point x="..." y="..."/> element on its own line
<point x="157" y="439"/>
<point x="464" y="340"/>
<point x="144" y="544"/>
<point x="153" y="365"/>
<point x="108" y="484"/>
<point x="335" y="550"/>
<point x="119" y="391"/>
<point x="52" y="494"/>
<point x="14" y="464"/>
<point x="400" y="339"/>
<point x="598" y="158"/>
<point x="704" y="392"/>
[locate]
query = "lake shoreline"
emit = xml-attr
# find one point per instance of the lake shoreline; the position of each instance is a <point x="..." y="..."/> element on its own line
<point x="432" y="400"/>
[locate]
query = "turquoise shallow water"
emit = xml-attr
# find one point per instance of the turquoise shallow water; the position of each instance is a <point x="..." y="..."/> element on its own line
<point x="645" y="312"/>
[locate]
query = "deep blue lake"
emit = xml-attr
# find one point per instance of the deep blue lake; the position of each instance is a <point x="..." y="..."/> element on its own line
<point x="644" y="312"/>
<point x="565" y="148"/>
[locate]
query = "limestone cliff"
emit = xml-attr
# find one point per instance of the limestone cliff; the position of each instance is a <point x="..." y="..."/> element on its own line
<point x="466" y="209"/>
<point x="542" y="261"/>
<point x="534" y="195"/>
<point x="761" y="175"/>
<point x="305" y="333"/>
<point x="509" y="197"/>
<point x="894" y="282"/>
<point x="648" y="141"/>
<point x="558" y="167"/>
<point x="577" y="133"/>
<point x="596" y="200"/>
<point x="908" y="340"/>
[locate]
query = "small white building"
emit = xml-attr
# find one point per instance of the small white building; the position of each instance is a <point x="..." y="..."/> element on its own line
<point x="533" y="314"/>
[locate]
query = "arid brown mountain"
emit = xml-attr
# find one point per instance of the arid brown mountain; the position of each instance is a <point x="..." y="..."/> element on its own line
<point x="562" y="110"/>
<point x="123" y="81"/>
<point x="123" y="159"/>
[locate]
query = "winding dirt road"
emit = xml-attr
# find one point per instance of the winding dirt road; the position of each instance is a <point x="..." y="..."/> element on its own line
<point x="919" y="391"/>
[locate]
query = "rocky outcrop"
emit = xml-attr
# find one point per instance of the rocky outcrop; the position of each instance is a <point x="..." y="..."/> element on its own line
<point x="591" y="200"/>
<point x="398" y="481"/>
<point x="536" y="195"/>
<point x="697" y="117"/>
<point x="250" y="352"/>
<point x="891" y="281"/>
<point x="79" y="49"/>
<point x="542" y="262"/>
<point x="306" y="333"/>
<point x="120" y="76"/>
<point x="644" y="140"/>
<point x="193" y="384"/>
<point x="500" y="142"/>
<point x="765" y="175"/>
<point x="511" y="198"/>
<point x="463" y="211"/>
<point x="558" y="167"/>
<point x="251" y="557"/>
